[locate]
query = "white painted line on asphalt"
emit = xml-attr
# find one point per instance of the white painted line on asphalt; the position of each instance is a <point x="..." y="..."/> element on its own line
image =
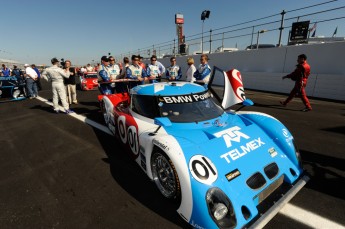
<point x="308" y="218"/>
<point x="289" y="210"/>
<point x="91" y="123"/>
<point x="79" y="117"/>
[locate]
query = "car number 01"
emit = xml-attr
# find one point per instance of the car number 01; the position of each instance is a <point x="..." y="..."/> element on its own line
<point x="122" y="128"/>
<point x="132" y="139"/>
<point x="202" y="169"/>
<point x="129" y="135"/>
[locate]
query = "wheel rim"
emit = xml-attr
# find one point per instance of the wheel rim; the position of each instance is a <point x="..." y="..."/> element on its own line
<point x="105" y="114"/>
<point x="164" y="176"/>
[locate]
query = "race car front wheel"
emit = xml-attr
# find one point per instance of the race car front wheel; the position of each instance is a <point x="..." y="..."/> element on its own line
<point x="165" y="175"/>
<point x="107" y="118"/>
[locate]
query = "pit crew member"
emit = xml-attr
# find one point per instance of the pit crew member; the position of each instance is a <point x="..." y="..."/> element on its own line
<point x="173" y="71"/>
<point x="105" y="85"/>
<point x="203" y="73"/>
<point x="135" y="72"/>
<point x="153" y="71"/>
<point x="300" y="76"/>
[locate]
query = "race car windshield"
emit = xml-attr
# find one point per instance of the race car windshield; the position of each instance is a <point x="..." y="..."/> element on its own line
<point x="145" y="105"/>
<point x="195" y="111"/>
<point x="93" y="76"/>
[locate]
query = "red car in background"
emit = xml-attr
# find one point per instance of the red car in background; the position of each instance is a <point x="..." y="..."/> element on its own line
<point x="89" y="81"/>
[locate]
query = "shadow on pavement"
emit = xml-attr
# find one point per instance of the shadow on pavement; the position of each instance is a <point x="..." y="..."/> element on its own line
<point x="128" y="174"/>
<point x="339" y="129"/>
<point x="326" y="173"/>
<point x="275" y="106"/>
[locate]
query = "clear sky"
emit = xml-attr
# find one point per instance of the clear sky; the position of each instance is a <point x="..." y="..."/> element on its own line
<point x="83" y="30"/>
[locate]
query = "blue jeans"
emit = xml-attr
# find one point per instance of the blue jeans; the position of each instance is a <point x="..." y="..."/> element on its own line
<point x="31" y="85"/>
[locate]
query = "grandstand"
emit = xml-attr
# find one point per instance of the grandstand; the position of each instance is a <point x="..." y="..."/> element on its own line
<point x="10" y="63"/>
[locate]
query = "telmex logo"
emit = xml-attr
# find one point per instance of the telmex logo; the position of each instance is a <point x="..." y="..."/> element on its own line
<point x="234" y="135"/>
<point x="231" y="135"/>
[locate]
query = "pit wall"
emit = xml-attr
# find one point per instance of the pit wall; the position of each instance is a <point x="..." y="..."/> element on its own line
<point x="263" y="69"/>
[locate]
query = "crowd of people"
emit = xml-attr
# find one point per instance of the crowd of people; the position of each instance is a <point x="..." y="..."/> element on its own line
<point x="64" y="77"/>
<point x="31" y="75"/>
<point x="137" y="72"/>
<point x="134" y="73"/>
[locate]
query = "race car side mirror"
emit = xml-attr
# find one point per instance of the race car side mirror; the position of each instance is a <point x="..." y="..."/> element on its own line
<point x="162" y="121"/>
<point x="248" y="103"/>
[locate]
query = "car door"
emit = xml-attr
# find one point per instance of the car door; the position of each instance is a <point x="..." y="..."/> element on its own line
<point x="226" y="87"/>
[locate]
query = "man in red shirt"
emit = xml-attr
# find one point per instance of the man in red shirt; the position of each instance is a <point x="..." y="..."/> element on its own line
<point x="300" y="76"/>
<point x="141" y="63"/>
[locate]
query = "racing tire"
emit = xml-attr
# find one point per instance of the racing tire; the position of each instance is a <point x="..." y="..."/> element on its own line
<point x="164" y="175"/>
<point x="25" y="92"/>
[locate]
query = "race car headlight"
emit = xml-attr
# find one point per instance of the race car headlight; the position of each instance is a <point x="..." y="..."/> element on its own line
<point x="84" y="81"/>
<point x="220" y="211"/>
<point x="220" y="208"/>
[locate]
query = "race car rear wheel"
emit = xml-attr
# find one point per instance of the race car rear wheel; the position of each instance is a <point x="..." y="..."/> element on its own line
<point x="165" y="175"/>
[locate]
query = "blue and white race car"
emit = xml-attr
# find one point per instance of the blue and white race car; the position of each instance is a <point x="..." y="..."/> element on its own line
<point x="225" y="168"/>
<point x="12" y="89"/>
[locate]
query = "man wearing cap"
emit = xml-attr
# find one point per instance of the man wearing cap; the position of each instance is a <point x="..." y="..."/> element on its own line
<point x="105" y="86"/>
<point x="31" y="78"/>
<point x="57" y="75"/>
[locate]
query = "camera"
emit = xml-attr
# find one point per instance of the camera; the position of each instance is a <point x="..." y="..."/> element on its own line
<point x="63" y="63"/>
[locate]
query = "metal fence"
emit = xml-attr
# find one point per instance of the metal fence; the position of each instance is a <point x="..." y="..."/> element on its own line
<point x="241" y="35"/>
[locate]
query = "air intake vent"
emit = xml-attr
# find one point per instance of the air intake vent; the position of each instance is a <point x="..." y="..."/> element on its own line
<point x="271" y="170"/>
<point x="256" y="181"/>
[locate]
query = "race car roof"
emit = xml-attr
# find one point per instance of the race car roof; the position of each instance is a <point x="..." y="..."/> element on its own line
<point x="168" y="88"/>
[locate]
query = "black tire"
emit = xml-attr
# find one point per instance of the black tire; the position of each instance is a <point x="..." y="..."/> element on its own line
<point x="164" y="175"/>
<point x="106" y="118"/>
<point x="25" y="92"/>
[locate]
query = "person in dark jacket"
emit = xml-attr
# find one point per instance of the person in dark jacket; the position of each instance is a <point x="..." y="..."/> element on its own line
<point x="300" y="76"/>
<point x="16" y="72"/>
<point x="70" y="83"/>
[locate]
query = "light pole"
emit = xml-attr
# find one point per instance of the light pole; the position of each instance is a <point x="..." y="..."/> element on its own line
<point x="257" y="39"/>
<point x="205" y="14"/>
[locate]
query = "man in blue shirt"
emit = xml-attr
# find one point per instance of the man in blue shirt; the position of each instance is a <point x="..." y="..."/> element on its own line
<point x="5" y="71"/>
<point x="105" y="86"/>
<point x="173" y="71"/>
<point x="38" y="81"/>
<point x="135" y="72"/>
<point x="203" y="73"/>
